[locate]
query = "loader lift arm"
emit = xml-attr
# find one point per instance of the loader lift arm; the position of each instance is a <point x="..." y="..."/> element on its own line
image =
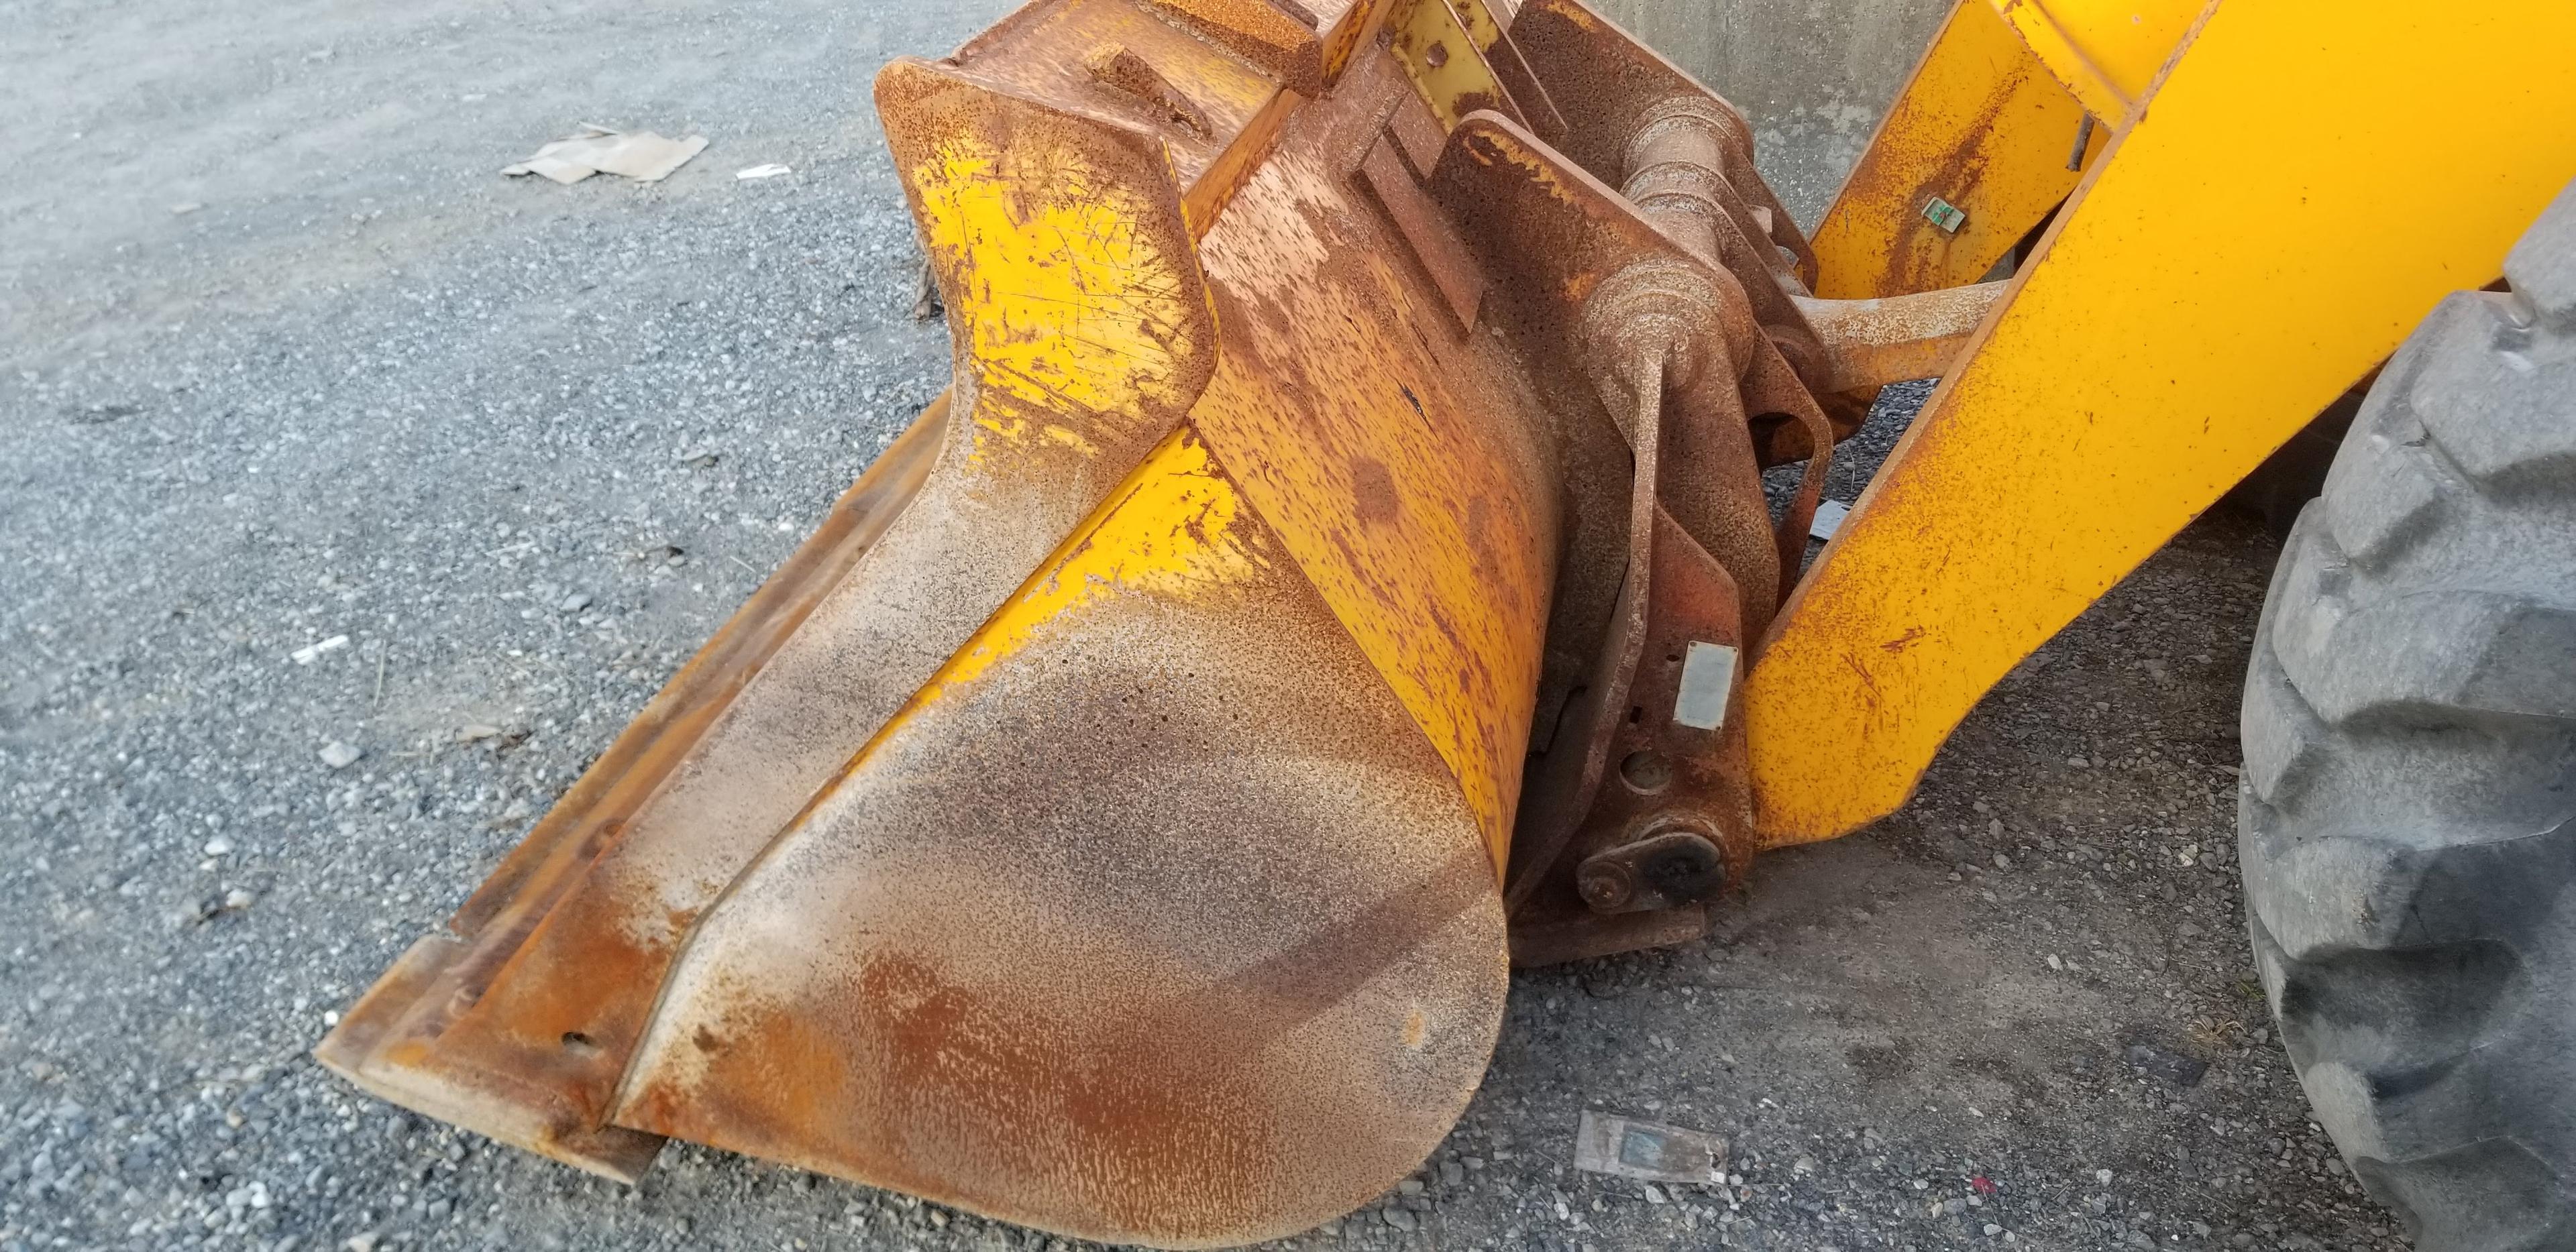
<point x="2242" y="247"/>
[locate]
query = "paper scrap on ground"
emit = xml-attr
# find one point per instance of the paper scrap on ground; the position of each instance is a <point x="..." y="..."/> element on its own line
<point x="642" y="156"/>
<point x="1633" y="1149"/>
<point x="762" y="171"/>
<point x="1829" y="518"/>
<point x="312" y="652"/>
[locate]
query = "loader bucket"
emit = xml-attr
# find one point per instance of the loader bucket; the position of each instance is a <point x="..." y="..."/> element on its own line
<point x="1104" y="821"/>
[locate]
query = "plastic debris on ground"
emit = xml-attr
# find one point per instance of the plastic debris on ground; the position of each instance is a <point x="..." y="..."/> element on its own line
<point x="1627" y="1148"/>
<point x="761" y="171"/>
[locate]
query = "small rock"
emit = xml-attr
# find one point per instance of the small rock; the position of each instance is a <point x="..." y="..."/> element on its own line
<point x="218" y="846"/>
<point x="1654" y="1194"/>
<point x="235" y="901"/>
<point x="575" y="602"/>
<point x="339" y="755"/>
<point x="2079" y="762"/>
<point x="2054" y="963"/>
<point x="1397" y="1217"/>
<point x="1992" y="1230"/>
<point x="2102" y="1175"/>
<point x="476" y="733"/>
<point x="363" y="1242"/>
<point x="2173" y="1067"/>
<point x="1954" y="1206"/>
<point x="2002" y="861"/>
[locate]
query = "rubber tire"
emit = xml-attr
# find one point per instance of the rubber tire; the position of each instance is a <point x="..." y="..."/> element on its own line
<point x="2410" y="772"/>
<point x="2296" y="472"/>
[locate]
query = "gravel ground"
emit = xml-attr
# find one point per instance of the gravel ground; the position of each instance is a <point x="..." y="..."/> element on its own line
<point x="286" y="361"/>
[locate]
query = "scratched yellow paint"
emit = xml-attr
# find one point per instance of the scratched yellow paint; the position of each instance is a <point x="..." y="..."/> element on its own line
<point x="2238" y="257"/>
<point x="2104" y="51"/>
<point x="1981" y="125"/>
<point x="1167" y="530"/>
<point x="1456" y="80"/>
<point x="1069" y="305"/>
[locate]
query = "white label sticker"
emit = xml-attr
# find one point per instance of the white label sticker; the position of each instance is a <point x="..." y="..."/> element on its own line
<point x="1708" y="678"/>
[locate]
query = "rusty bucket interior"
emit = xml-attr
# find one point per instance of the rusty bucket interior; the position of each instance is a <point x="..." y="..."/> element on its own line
<point x="1326" y="582"/>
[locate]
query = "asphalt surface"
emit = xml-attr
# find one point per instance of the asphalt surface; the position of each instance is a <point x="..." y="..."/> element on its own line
<point x="287" y="361"/>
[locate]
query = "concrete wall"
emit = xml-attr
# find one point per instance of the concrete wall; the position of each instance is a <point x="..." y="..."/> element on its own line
<point x="1814" y="75"/>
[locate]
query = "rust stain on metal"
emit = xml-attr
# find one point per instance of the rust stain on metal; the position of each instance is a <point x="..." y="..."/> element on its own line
<point x="1113" y="1025"/>
<point x="1327" y="365"/>
<point x="1426" y="234"/>
<point x="1102" y="822"/>
<point x="1864" y="343"/>
<point x="1607" y="83"/>
<point x="1287" y="46"/>
<point x="391" y="1040"/>
<point x="1445" y="63"/>
<point x="1122" y="70"/>
<point x="1417" y="134"/>
<point x="1493" y="40"/>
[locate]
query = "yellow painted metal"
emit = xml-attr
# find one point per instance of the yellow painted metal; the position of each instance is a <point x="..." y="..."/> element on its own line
<point x="1373" y="455"/>
<point x="1041" y="334"/>
<point x="1440" y="52"/>
<point x="1167" y="530"/>
<point x="1083" y="300"/>
<point x="1982" y="126"/>
<point x="2305" y="182"/>
<point x="1480" y="21"/>
<point x="2104" y="51"/>
<point x="1080" y="320"/>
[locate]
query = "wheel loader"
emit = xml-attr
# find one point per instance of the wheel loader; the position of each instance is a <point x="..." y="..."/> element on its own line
<point x="1341" y="570"/>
